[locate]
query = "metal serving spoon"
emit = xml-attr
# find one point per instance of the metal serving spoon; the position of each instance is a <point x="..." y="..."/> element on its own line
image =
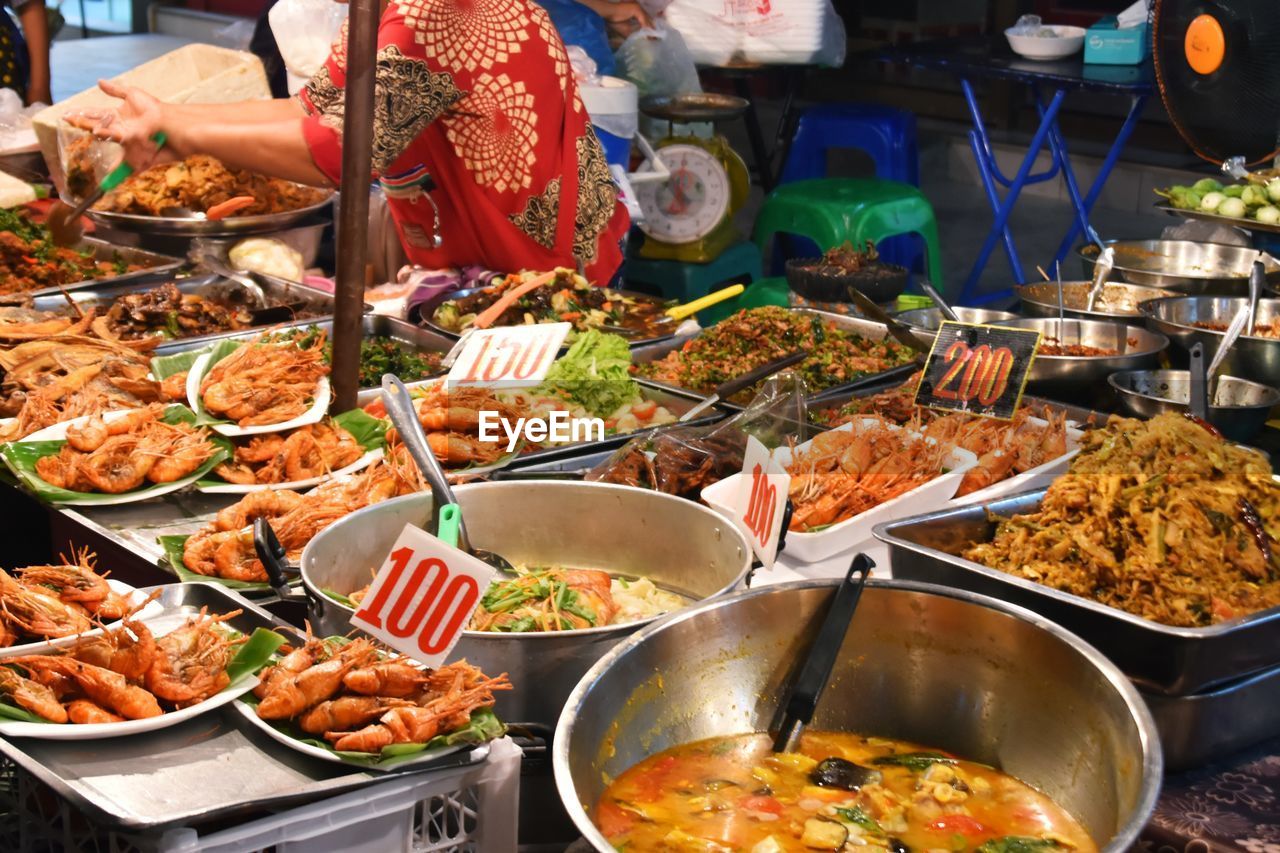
<point x="395" y="396"/>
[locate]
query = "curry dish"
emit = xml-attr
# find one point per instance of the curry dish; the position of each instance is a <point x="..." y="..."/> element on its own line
<point x="839" y="792"/>
<point x="1161" y="518"/>
<point x="203" y="185"/>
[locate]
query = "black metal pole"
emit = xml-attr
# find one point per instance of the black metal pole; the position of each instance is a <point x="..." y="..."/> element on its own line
<point x="353" y="209"/>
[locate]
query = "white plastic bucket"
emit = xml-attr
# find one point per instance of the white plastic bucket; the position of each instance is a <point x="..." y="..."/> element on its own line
<point x="614" y="107"/>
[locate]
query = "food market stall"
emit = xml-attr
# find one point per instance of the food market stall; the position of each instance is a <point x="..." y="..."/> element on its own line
<point x="1066" y="609"/>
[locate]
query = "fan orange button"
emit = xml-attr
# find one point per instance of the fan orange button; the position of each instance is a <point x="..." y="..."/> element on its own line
<point x="1206" y="44"/>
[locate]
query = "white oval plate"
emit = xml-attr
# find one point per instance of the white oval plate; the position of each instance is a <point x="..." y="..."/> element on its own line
<point x="248" y="712"/>
<point x="94" y="731"/>
<point x="360" y="464"/>
<point x="58" y="431"/>
<point x="151" y="610"/>
<point x="312" y="415"/>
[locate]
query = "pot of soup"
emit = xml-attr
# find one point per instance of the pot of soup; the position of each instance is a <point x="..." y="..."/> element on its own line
<point x="597" y="562"/>
<point x="952" y="721"/>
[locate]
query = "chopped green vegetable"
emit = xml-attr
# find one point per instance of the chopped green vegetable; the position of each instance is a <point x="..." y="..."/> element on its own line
<point x="859" y="818"/>
<point x="915" y="761"/>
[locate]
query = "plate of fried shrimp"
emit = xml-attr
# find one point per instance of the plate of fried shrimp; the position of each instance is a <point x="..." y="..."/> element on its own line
<point x="352" y="702"/>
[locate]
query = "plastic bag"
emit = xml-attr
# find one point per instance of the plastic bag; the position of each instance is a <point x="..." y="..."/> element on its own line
<point x="799" y="32"/>
<point x="305" y="31"/>
<point x="1200" y="231"/>
<point x="1031" y="25"/>
<point x="585" y="69"/>
<point x="85" y="160"/>
<point x="658" y="62"/>
<point x="682" y="460"/>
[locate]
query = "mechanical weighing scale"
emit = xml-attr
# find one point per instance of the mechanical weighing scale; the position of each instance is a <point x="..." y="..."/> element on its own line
<point x="689" y="216"/>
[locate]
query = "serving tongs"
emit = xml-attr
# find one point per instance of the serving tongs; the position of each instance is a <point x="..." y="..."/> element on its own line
<point x="1101" y="274"/>
<point x="1199" y="385"/>
<point x="930" y="291"/>
<point x="801" y="698"/>
<point x="900" y="331"/>
<point x="725" y="390"/>
<point x="445" y="522"/>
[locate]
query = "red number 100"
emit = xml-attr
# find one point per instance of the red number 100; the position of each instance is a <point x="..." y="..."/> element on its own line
<point x="445" y="596"/>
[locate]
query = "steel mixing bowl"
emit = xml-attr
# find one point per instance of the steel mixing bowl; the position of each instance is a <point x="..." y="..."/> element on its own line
<point x="1182" y="265"/>
<point x="1118" y="300"/>
<point x="1078" y="378"/>
<point x="1252" y="357"/>
<point x="930" y="319"/>
<point x="682" y="546"/>
<point x="977" y="677"/>
<point x="1239" y="408"/>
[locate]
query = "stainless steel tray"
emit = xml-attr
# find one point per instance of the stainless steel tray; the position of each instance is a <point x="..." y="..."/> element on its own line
<point x="215" y="766"/>
<point x="1200" y="729"/>
<point x="232" y="226"/>
<point x="1159" y="658"/>
<point x="857" y="325"/>
<point x="1230" y="221"/>
<point x="318" y="302"/>
<point x="374" y="325"/>
<point x="158" y="267"/>
<point x="423" y="312"/>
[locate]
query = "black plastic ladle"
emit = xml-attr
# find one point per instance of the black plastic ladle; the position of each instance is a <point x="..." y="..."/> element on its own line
<point x="820" y="658"/>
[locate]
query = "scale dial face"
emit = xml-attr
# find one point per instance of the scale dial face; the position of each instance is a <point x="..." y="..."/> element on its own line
<point x="689" y="205"/>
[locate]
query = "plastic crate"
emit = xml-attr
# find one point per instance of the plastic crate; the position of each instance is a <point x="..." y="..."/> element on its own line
<point x="464" y="809"/>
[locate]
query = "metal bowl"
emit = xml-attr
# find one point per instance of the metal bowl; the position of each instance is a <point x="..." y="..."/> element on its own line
<point x="930" y="319"/>
<point x="682" y="546"/>
<point x="423" y="314"/>
<point x="1078" y="378"/>
<point x="1239" y="408"/>
<point x="953" y="670"/>
<point x="1251" y="358"/>
<point x="1118" y="300"/>
<point x="1184" y="266"/>
<point x="232" y="226"/>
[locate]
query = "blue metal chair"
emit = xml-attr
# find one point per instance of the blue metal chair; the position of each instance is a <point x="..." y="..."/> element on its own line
<point x="886" y="134"/>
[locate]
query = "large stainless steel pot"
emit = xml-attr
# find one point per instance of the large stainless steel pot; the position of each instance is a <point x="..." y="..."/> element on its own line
<point x="930" y="319"/>
<point x="1182" y="265"/>
<point x="950" y="669"/>
<point x="682" y="546"/>
<point x="1078" y="379"/>
<point x="1118" y="301"/>
<point x="1253" y="358"/>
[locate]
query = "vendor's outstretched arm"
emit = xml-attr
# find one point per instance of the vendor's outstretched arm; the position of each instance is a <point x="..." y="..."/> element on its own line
<point x="263" y="136"/>
<point x="273" y="148"/>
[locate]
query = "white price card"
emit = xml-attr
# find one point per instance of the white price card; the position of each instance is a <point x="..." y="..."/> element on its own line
<point x="762" y="500"/>
<point x="508" y="355"/>
<point x="423" y="596"/>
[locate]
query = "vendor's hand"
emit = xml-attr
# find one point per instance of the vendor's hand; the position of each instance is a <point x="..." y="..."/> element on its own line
<point x="622" y="19"/>
<point x="132" y="124"/>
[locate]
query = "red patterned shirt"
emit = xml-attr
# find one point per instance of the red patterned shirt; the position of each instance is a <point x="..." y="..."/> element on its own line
<point x="479" y="95"/>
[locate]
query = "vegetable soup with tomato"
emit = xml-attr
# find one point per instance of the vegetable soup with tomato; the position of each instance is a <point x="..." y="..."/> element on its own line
<point x="839" y="792"/>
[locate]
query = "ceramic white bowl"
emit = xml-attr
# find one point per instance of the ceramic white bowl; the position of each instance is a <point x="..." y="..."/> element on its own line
<point x="1067" y="41"/>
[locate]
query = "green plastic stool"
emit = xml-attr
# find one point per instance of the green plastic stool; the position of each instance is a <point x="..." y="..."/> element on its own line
<point x="832" y="210"/>
<point x="739" y="264"/>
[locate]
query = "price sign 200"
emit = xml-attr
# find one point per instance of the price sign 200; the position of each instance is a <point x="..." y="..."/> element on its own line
<point x="978" y="369"/>
<point x="425" y="605"/>
<point x="983" y="373"/>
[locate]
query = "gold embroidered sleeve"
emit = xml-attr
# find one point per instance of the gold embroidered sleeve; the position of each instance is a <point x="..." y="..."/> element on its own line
<point x="597" y="197"/>
<point x="408" y="96"/>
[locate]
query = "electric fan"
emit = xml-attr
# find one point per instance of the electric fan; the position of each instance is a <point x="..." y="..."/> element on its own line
<point x="1217" y="65"/>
